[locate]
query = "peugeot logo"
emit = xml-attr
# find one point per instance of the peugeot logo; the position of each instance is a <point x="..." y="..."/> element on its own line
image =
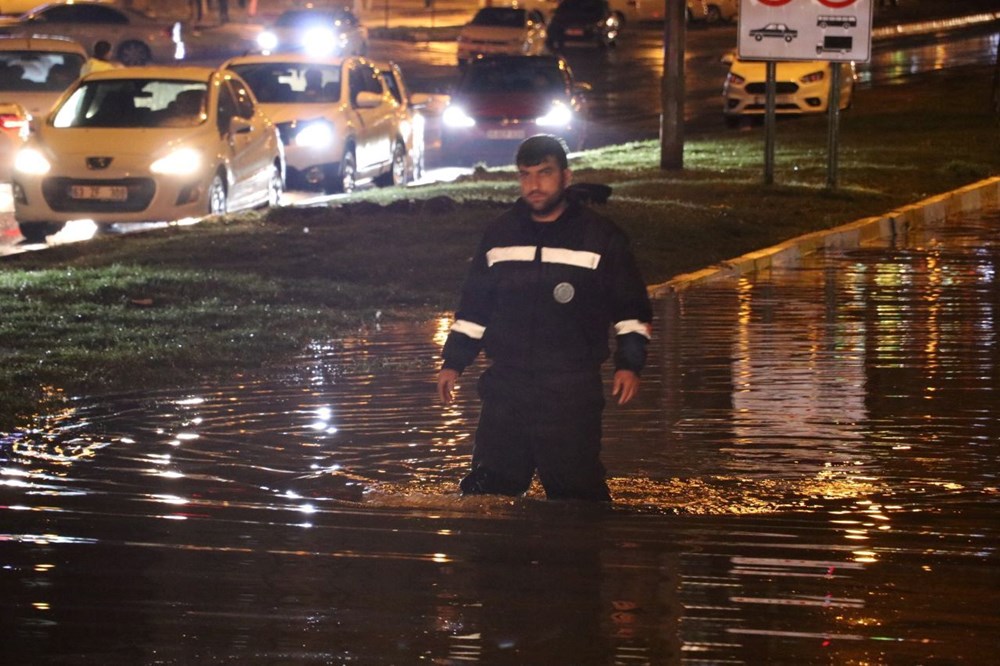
<point x="95" y="163"/>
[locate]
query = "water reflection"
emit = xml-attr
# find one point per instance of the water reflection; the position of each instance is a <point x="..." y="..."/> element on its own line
<point x="809" y="476"/>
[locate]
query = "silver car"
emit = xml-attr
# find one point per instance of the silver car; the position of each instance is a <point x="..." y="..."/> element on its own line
<point x="339" y="122"/>
<point x="136" y="39"/>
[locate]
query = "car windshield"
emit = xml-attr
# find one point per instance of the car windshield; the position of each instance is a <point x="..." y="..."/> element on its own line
<point x="506" y="17"/>
<point x="526" y="76"/>
<point x="291" y="83"/>
<point x="134" y="103"/>
<point x="38" y="71"/>
<point x="305" y="18"/>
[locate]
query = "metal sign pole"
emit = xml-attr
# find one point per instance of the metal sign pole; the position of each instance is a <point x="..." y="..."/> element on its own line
<point x="833" y="127"/>
<point x="770" y="92"/>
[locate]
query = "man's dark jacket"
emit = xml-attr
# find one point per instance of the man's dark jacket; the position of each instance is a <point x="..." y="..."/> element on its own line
<point x="542" y="297"/>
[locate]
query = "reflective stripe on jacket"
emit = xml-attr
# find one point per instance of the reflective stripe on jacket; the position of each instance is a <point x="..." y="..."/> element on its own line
<point x="544" y="296"/>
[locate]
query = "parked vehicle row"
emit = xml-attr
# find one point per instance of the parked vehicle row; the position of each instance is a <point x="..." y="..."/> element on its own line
<point x="156" y="142"/>
<point x="168" y="142"/>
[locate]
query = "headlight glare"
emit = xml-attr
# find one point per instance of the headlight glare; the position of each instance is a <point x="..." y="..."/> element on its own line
<point x="558" y="116"/>
<point x="180" y="162"/>
<point x="319" y="41"/>
<point x="315" y="135"/>
<point x="455" y="116"/>
<point x="31" y="161"/>
<point x="267" y="41"/>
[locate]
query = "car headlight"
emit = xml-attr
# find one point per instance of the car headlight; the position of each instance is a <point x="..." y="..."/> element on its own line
<point x="267" y="41"/>
<point x="315" y="135"/>
<point x="558" y="116"/>
<point x="181" y="162"/>
<point x="320" y="41"/>
<point x="455" y="116"/>
<point x="812" y="78"/>
<point x="31" y="161"/>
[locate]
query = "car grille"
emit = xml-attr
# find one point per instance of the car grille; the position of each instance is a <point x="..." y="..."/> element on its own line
<point x="782" y="88"/>
<point x="56" y="193"/>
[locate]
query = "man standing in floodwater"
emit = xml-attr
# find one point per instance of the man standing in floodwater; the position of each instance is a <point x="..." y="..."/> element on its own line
<point x="550" y="278"/>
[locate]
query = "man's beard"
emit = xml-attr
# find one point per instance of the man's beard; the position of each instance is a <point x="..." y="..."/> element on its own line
<point x="548" y="206"/>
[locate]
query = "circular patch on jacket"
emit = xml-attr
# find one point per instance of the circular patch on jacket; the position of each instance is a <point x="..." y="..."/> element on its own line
<point x="564" y="292"/>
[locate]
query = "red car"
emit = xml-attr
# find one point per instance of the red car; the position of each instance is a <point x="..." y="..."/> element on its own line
<point x="501" y="100"/>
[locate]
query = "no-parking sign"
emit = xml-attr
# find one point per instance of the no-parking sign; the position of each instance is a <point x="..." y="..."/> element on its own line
<point x="839" y="30"/>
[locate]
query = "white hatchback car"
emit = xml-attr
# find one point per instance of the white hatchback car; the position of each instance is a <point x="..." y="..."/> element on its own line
<point x="338" y="121"/>
<point x="144" y="144"/>
<point x="502" y="31"/>
<point x="801" y="87"/>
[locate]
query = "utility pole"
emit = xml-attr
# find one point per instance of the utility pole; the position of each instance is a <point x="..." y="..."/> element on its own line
<point x="672" y="86"/>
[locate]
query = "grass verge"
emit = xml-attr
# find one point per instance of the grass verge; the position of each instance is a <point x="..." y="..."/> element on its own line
<point x="236" y="294"/>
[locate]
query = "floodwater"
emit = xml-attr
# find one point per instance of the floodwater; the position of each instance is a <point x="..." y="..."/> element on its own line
<point x="808" y="477"/>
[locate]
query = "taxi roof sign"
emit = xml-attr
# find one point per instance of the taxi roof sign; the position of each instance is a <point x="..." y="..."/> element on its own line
<point x="836" y="30"/>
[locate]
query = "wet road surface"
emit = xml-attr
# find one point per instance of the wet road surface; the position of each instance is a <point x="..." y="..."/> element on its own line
<point x="809" y="476"/>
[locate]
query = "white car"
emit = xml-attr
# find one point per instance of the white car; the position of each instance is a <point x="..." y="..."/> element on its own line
<point x="136" y="39"/>
<point x="337" y="120"/>
<point x="502" y="31"/>
<point x="320" y="33"/>
<point x="801" y="87"/>
<point x="145" y="144"/>
<point x="34" y="72"/>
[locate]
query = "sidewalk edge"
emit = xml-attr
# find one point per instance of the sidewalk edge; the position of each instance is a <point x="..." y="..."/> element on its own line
<point x="977" y="196"/>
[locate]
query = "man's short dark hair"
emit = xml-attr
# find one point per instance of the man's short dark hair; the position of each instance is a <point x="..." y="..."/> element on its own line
<point x="534" y="150"/>
<point x="102" y="48"/>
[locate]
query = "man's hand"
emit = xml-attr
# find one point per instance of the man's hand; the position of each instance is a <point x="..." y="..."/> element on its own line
<point x="446" y="384"/>
<point x="626" y="385"/>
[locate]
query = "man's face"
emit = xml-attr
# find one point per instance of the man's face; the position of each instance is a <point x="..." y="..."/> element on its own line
<point x="542" y="187"/>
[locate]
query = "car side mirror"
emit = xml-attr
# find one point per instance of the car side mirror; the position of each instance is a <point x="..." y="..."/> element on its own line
<point x="239" y="125"/>
<point x="367" y="100"/>
<point x="728" y="58"/>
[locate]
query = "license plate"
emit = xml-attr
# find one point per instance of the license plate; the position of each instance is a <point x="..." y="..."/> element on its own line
<point x="99" y="192"/>
<point x="760" y="100"/>
<point x="575" y="32"/>
<point x="505" y="134"/>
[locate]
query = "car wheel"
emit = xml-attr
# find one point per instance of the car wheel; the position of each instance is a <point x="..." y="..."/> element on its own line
<point x="400" y="172"/>
<point x="217" y="199"/>
<point x="275" y="187"/>
<point x="712" y="14"/>
<point x="348" y="173"/>
<point x="134" y="53"/>
<point x="36" y="232"/>
<point x="418" y="166"/>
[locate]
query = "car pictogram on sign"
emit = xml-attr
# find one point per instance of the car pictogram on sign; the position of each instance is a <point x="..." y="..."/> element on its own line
<point x="778" y="30"/>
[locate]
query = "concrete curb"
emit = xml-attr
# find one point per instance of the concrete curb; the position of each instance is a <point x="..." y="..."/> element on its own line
<point x="977" y="196"/>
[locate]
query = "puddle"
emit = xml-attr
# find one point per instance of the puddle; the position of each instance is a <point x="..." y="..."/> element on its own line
<point x="808" y="476"/>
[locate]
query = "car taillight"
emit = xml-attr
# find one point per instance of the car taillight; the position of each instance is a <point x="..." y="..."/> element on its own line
<point x="812" y="78"/>
<point x="734" y="79"/>
<point x="16" y="123"/>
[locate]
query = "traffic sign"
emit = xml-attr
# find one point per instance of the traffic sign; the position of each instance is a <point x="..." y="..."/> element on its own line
<point x="836" y="30"/>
